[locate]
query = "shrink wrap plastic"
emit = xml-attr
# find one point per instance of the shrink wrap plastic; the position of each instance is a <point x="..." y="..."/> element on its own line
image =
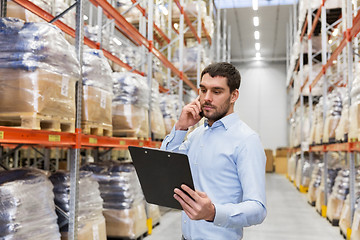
<point x="38" y="67"/>
<point x="158" y="130"/>
<point x="305" y="171"/>
<point x="315" y="182"/>
<point x="191" y="8"/>
<point x="27" y="209"/>
<point x="354" y="117"/>
<point x="333" y="115"/>
<point x="97" y="88"/>
<point x="124" y="206"/>
<point x="130" y="104"/>
<point x="167" y="106"/>
<point x="292" y="167"/>
<point x="132" y="16"/>
<point x="190" y="59"/>
<point x="342" y="130"/>
<point x="17" y="11"/>
<point x="90" y="203"/>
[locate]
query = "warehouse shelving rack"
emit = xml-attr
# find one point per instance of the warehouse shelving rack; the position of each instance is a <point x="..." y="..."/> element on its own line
<point x="352" y="26"/>
<point x="15" y="138"/>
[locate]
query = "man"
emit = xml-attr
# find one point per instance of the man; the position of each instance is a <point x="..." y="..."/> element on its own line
<point x="226" y="158"/>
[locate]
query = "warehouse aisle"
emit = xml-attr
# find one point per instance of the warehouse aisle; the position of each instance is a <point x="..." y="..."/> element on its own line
<point x="289" y="217"/>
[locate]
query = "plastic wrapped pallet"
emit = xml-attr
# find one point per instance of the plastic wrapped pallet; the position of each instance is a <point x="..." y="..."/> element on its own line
<point x="39" y="68"/>
<point x="91" y="222"/>
<point x="27" y="206"/>
<point x="338" y="196"/>
<point x="292" y="167"/>
<point x="314" y="183"/>
<point x="191" y="8"/>
<point x="342" y="130"/>
<point x="304" y="171"/>
<point x="168" y="111"/>
<point x="97" y="93"/>
<point x="130" y="105"/>
<point x="124" y="206"/>
<point x="158" y="130"/>
<point x="319" y="128"/>
<point x="132" y="16"/>
<point x="333" y="116"/>
<point x="354" y="110"/>
<point x="189" y="59"/>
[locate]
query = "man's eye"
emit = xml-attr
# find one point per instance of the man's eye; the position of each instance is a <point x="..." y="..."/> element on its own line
<point x="203" y="90"/>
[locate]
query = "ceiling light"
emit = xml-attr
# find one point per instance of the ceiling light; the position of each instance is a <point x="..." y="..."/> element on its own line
<point x="257" y="46"/>
<point x="256" y="21"/>
<point x="257" y="35"/>
<point x="85" y="18"/>
<point x="117" y="41"/>
<point x="258" y="55"/>
<point x="176" y="26"/>
<point x="255" y="4"/>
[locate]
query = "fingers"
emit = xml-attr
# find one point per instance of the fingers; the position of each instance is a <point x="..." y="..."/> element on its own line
<point x="191" y="192"/>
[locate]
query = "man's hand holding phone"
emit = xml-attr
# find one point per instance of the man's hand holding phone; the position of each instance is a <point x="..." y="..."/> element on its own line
<point x="190" y="115"/>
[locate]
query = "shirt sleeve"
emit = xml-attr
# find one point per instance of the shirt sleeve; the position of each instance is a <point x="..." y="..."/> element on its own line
<point x="251" y="210"/>
<point x="175" y="141"/>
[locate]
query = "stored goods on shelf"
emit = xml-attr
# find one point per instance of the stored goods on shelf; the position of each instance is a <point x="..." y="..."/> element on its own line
<point x="342" y="130"/>
<point x="292" y="167"/>
<point x="158" y="130"/>
<point x="319" y="127"/>
<point x="354" y="118"/>
<point x="191" y="9"/>
<point x="167" y="106"/>
<point x="305" y="171"/>
<point x="27" y="206"/>
<point x="38" y="68"/>
<point x="17" y="11"/>
<point x="345" y="222"/>
<point x="189" y="59"/>
<point x="91" y="222"/>
<point x="132" y="16"/>
<point x="314" y="183"/>
<point x="130" y="105"/>
<point x="97" y="94"/>
<point x="338" y="196"/>
<point x="333" y="115"/>
<point x="124" y="205"/>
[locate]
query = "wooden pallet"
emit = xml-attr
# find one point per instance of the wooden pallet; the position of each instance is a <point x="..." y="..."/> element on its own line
<point x="98" y="129"/>
<point x="141" y="237"/>
<point x="37" y="122"/>
<point x="128" y="134"/>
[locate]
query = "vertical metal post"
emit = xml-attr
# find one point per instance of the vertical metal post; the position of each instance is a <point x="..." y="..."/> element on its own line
<point x="149" y="56"/>
<point x="301" y="114"/>
<point x="91" y="14"/>
<point x="47" y="159"/>
<point x="211" y="14"/>
<point x="68" y="160"/>
<point x="349" y="16"/>
<point x="181" y="55"/>
<point x="170" y="37"/>
<point x="57" y="157"/>
<point x="218" y="36"/>
<point x="310" y="64"/>
<point x="28" y="151"/>
<point x="16" y="159"/>
<point x="224" y="36"/>
<point x="99" y="23"/>
<point x="229" y="45"/>
<point x="142" y="28"/>
<point x="3" y="8"/>
<point x="198" y="60"/>
<point x="75" y="153"/>
<point x="324" y="60"/>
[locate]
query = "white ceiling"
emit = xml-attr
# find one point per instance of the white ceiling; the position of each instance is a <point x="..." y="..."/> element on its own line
<point x="273" y="23"/>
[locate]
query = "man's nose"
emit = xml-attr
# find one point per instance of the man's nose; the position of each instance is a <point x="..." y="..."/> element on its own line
<point x="208" y="96"/>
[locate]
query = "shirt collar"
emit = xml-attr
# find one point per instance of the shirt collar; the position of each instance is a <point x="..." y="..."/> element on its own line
<point x="226" y="121"/>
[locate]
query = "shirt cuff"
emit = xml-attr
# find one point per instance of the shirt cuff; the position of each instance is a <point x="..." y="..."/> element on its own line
<point x="221" y="215"/>
<point x="175" y="137"/>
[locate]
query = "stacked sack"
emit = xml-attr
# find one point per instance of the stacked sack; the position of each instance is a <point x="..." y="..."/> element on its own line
<point x="354" y="110"/>
<point x="16" y="11"/>
<point x="130" y="105"/>
<point x="91" y="222"/>
<point x="27" y="209"/>
<point x="39" y="69"/>
<point x="304" y="171"/>
<point x="158" y="130"/>
<point x="124" y="205"/>
<point x="342" y="130"/>
<point x="314" y="183"/>
<point x="97" y="93"/>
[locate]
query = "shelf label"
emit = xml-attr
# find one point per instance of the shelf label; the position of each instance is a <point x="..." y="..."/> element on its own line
<point x="1" y="134"/>
<point x="141" y="144"/>
<point x="54" y="138"/>
<point x="93" y="140"/>
<point x="122" y="142"/>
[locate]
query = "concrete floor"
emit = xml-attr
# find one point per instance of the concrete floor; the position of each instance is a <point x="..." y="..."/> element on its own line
<point x="289" y="217"/>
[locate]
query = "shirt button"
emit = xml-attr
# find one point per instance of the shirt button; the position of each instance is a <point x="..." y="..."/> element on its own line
<point x="184" y="221"/>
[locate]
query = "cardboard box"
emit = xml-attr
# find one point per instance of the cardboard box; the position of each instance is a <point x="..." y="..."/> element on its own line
<point x="127" y="223"/>
<point x="281" y="165"/>
<point x="269" y="160"/>
<point x="90" y="230"/>
<point x="281" y="152"/>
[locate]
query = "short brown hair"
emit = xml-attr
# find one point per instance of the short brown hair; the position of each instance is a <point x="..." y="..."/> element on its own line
<point x="224" y="69"/>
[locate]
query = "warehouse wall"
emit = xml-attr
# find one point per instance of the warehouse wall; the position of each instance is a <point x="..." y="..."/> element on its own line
<point x="262" y="101"/>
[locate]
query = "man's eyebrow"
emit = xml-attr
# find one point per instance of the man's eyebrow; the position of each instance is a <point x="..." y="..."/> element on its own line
<point x="214" y="88"/>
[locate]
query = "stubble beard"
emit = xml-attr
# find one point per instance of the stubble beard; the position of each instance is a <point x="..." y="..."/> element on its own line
<point x="219" y="112"/>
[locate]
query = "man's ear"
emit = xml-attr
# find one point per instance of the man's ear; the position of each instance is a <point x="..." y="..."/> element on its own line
<point x="234" y="96"/>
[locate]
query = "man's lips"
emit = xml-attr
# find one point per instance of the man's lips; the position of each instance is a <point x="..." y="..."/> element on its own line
<point x="207" y="107"/>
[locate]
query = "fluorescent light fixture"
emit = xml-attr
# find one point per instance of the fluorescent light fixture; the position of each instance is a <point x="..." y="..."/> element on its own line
<point x="335" y="32"/>
<point x="257" y="46"/>
<point x="117" y="41"/>
<point x="258" y="55"/>
<point x="176" y="26"/>
<point x="164" y="10"/>
<point x="256" y="21"/>
<point x="257" y="35"/>
<point x="85" y="17"/>
<point x="255" y="4"/>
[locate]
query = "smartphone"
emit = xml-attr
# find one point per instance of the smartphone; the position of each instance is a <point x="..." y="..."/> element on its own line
<point x="201" y="114"/>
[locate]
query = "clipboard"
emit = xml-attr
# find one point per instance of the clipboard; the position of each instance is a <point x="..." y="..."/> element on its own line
<point x="160" y="172"/>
